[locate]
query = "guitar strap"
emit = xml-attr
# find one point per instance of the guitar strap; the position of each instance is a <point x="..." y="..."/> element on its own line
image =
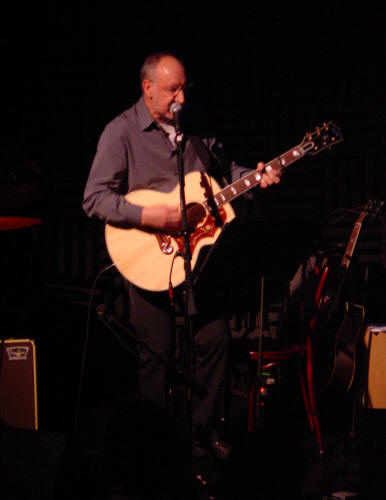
<point x="211" y="163"/>
<point x="201" y="150"/>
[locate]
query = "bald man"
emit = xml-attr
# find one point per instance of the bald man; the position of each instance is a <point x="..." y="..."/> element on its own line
<point x="137" y="150"/>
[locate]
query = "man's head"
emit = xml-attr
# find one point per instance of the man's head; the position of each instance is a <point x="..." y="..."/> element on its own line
<point x="163" y="80"/>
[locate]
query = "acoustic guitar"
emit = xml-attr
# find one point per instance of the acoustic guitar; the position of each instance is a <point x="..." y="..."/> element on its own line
<point x="153" y="260"/>
<point x="336" y="324"/>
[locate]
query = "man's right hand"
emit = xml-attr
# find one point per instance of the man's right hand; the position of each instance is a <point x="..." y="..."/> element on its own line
<point x="165" y="218"/>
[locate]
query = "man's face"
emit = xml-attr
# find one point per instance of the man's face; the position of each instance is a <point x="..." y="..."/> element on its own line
<point x="165" y="86"/>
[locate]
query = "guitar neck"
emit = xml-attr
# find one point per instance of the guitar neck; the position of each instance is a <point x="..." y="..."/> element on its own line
<point x="348" y="253"/>
<point x="372" y="207"/>
<point x="253" y="179"/>
<point x="313" y="143"/>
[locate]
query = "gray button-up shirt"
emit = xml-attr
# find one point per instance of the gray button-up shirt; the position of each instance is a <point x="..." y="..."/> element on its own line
<point x="135" y="153"/>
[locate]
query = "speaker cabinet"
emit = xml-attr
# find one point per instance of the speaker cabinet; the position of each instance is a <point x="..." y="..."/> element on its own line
<point x="374" y="367"/>
<point x="18" y="384"/>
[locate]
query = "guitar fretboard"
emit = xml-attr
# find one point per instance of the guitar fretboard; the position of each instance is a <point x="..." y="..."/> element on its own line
<point x="253" y="179"/>
<point x="352" y="242"/>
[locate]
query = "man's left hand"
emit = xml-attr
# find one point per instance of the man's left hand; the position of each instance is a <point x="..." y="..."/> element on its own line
<point x="269" y="176"/>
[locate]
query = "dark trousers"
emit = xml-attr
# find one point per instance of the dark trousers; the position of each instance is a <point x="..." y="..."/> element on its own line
<point x="151" y="316"/>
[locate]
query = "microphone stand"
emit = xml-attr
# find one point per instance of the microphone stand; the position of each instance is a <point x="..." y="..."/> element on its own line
<point x="174" y="373"/>
<point x="189" y="304"/>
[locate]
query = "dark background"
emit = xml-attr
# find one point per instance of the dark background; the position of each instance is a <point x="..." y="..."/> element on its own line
<point x="264" y="74"/>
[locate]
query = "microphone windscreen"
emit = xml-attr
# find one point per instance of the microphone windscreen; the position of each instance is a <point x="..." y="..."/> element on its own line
<point x="175" y="107"/>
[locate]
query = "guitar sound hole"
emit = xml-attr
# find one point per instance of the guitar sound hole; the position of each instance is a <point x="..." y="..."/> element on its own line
<point x="195" y="214"/>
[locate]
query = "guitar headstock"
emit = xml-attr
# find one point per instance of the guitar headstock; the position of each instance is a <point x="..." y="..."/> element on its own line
<point x="372" y="207"/>
<point x="321" y="138"/>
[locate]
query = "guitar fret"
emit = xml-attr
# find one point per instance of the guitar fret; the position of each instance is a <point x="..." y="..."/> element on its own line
<point x="277" y="163"/>
<point x="253" y="179"/>
<point x="296" y="153"/>
<point x="290" y="156"/>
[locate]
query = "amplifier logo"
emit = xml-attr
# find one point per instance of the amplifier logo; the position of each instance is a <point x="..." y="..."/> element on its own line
<point x="17" y="353"/>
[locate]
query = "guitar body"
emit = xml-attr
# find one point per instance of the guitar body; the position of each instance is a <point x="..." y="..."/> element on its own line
<point x="336" y="324"/>
<point x="336" y="336"/>
<point x="345" y="347"/>
<point x="146" y="258"/>
<point x="325" y="323"/>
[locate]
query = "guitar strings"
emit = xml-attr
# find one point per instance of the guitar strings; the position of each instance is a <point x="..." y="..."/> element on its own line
<point x="196" y="213"/>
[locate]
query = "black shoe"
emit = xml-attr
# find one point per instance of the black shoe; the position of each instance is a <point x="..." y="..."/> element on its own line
<point x="221" y="449"/>
<point x="214" y="446"/>
<point x="206" y="470"/>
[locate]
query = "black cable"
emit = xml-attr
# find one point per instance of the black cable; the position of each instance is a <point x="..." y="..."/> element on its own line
<point x="171" y="288"/>
<point x="171" y="368"/>
<point x="83" y="363"/>
<point x="123" y="344"/>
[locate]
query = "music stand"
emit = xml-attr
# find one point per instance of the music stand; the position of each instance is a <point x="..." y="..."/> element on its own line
<point x="249" y="252"/>
<point x="249" y="247"/>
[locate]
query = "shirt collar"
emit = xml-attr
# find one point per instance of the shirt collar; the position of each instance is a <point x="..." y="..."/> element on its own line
<point x="144" y="117"/>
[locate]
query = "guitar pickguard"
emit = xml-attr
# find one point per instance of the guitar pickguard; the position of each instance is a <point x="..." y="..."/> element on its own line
<point x="206" y="229"/>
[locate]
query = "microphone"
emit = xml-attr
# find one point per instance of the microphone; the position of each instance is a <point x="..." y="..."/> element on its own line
<point x="176" y="109"/>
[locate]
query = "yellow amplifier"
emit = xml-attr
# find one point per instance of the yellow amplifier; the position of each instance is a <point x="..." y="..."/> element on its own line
<point x="374" y="367"/>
